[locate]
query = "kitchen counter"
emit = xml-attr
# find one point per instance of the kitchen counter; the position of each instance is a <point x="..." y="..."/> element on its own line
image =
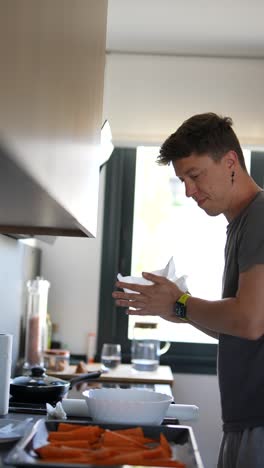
<point x="6" y="447"/>
<point x="23" y="413"/>
<point x="182" y="435"/>
<point x="123" y="373"/>
<point x="124" y="376"/>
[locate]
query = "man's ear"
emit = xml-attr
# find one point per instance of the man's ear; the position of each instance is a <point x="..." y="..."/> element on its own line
<point x="231" y="159"/>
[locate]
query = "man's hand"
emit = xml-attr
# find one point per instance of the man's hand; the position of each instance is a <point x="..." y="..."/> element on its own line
<point x="156" y="299"/>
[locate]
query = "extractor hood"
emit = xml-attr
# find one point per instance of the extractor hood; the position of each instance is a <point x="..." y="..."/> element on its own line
<point x="27" y="208"/>
<point x="51" y="93"/>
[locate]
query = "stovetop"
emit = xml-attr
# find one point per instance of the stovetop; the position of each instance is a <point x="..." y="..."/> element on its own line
<point x="40" y="408"/>
<point x="26" y="407"/>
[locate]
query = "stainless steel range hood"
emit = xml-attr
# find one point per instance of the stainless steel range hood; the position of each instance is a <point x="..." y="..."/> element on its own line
<point x="27" y="208"/>
<point x="52" y="57"/>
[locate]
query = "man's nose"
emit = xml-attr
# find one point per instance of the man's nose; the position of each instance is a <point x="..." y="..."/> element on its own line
<point x="190" y="188"/>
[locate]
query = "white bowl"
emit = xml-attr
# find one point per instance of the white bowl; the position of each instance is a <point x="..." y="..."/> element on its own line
<point x="127" y="406"/>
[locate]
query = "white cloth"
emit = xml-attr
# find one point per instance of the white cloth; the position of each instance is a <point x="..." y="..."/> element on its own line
<point x="168" y="272"/>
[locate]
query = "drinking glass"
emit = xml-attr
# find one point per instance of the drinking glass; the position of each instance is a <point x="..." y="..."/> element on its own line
<point x="110" y="356"/>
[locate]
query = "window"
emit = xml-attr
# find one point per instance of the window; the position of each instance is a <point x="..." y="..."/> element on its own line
<point x="163" y="223"/>
<point x="170" y="224"/>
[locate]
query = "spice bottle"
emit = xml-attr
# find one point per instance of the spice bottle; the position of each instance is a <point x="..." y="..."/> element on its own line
<point x="36" y="322"/>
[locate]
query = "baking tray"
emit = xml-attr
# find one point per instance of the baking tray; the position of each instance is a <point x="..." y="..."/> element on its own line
<point x="23" y="452"/>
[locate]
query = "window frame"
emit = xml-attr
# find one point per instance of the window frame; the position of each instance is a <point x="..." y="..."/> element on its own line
<point x="194" y="358"/>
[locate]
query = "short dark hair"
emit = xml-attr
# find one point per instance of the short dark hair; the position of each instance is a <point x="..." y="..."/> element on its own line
<point x="202" y="134"/>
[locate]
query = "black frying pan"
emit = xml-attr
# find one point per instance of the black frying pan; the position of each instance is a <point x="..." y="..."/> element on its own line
<point x="41" y="388"/>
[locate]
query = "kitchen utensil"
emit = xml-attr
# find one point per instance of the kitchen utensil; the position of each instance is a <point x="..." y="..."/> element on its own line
<point x="76" y="407"/>
<point x="116" y="405"/>
<point x="181" y="438"/>
<point x="13" y="429"/>
<point x="41" y="388"/>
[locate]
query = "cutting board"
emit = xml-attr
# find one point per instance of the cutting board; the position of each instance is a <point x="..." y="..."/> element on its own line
<point x="123" y="373"/>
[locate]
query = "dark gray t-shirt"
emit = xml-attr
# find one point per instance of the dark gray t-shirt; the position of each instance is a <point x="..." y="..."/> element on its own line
<point x="241" y="361"/>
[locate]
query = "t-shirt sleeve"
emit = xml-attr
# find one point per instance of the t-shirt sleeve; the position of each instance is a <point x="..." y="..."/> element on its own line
<point x="251" y="245"/>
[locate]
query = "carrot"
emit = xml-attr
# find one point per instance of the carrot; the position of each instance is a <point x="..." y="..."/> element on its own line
<point x="103" y="453"/>
<point x="48" y="451"/>
<point x="66" y="460"/>
<point x="156" y="452"/>
<point x="94" y="445"/>
<point x="131" y="431"/>
<point x="64" y="427"/>
<point x="116" y="438"/>
<point x="90" y="433"/>
<point x="73" y="443"/>
<point x="165" y="445"/>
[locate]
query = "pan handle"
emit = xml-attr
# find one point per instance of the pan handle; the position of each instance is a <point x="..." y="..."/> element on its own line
<point x="85" y="377"/>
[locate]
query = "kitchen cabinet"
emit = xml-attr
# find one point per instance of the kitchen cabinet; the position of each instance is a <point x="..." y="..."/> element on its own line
<point x="52" y="56"/>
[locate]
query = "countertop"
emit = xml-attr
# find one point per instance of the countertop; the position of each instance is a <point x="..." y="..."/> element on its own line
<point x="123" y="373"/>
<point x="161" y="380"/>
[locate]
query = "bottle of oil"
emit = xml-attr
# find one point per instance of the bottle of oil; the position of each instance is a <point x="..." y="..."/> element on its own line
<point x="36" y="322"/>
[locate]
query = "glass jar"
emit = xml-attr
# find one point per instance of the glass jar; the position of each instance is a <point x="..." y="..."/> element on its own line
<point x="36" y="322"/>
<point x="145" y="347"/>
<point x="57" y="359"/>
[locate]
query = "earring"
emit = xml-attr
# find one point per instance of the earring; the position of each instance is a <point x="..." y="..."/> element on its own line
<point x="232" y="177"/>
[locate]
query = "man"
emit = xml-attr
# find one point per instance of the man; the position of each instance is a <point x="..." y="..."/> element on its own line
<point x="207" y="157"/>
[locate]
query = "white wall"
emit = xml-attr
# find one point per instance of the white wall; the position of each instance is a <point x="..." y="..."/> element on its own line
<point x="148" y="96"/>
<point x="19" y="263"/>
<point x="72" y="265"/>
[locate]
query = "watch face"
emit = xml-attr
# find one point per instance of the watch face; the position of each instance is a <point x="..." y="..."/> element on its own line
<point x="180" y="310"/>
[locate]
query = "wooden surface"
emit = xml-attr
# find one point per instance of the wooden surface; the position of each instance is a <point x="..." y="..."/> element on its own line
<point x="123" y="373"/>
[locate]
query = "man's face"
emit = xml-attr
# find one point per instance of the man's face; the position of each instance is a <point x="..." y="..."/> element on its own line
<point x="206" y="181"/>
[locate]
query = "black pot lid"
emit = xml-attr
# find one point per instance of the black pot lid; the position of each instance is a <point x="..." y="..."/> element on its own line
<point x="38" y="378"/>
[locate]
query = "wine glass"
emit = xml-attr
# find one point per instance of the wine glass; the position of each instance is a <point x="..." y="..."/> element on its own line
<point x="110" y="356"/>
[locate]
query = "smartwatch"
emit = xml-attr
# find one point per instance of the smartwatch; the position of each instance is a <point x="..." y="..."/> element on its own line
<point x="179" y="307"/>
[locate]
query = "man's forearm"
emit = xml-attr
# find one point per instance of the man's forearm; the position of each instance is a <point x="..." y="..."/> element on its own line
<point x="240" y="316"/>
<point x="223" y="316"/>
<point x="205" y="330"/>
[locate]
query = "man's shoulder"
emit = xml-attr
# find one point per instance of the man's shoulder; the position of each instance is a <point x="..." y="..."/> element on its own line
<point x="257" y="204"/>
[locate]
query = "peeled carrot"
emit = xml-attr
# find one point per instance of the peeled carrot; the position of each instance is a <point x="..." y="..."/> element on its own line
<point x="80" y="444"/>
<point x="103" y="453"/>
<point x="131" y="431"/>
<point x="156" y="452"/>
<point x="165" y="445"/>
<point x="48" y="451"/>
<point x="65" y="461"/>
<point x="114" y="438"/>
<point x="90" y="433"/>
<point x="73" y="443"/>
<point x="63" y="427"/>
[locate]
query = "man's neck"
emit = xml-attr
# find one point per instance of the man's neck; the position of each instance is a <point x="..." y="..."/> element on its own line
<point x="246" y="191"/>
